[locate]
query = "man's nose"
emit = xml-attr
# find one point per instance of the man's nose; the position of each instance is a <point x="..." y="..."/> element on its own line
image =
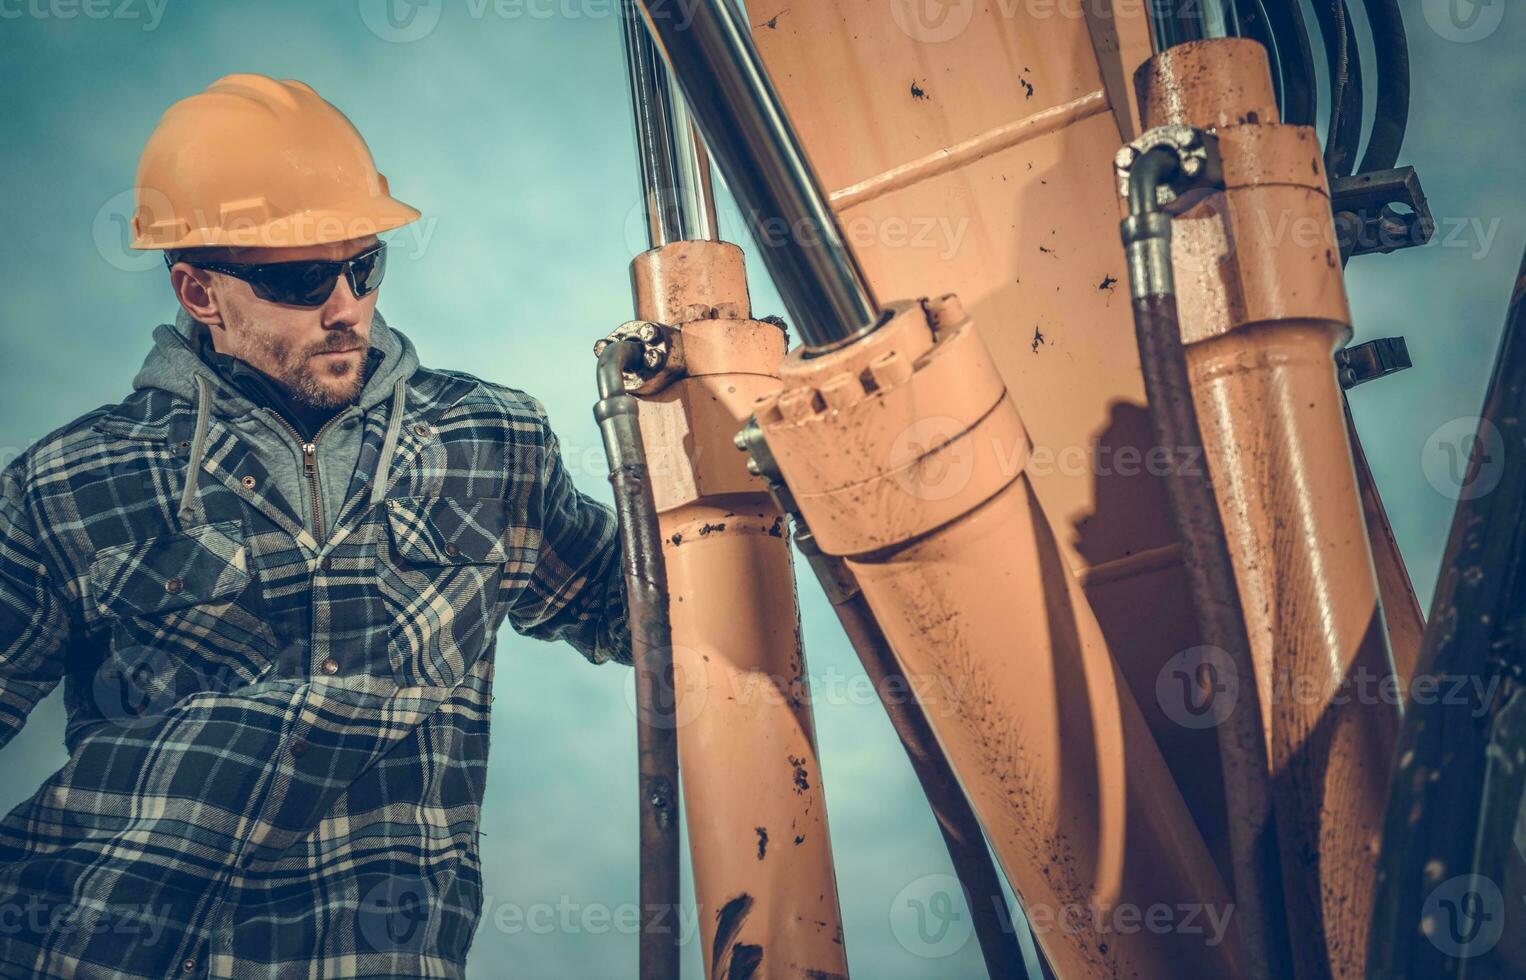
<point x="343" y="310"/>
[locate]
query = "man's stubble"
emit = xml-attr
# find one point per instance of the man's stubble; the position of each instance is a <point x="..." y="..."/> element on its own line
<point x="295" y="369"/>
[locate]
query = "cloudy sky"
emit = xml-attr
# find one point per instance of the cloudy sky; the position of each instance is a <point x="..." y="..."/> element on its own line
<point x="507" y="125"/>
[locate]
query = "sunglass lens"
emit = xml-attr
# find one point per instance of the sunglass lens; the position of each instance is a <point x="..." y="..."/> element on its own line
<point x="298" y="283"/>
<point x="369" y="270"/>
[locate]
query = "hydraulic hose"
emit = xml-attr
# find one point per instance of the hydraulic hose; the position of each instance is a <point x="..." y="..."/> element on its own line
<point x="1300" y="93"/>
<point x="1210" y="570"/>
<point x="1344" y="136"/>
<point x="1391" y="46"/>
<point x="646" y="594"/>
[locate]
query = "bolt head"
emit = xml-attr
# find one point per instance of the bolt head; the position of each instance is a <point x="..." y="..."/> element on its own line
<point x="647" y="332"/>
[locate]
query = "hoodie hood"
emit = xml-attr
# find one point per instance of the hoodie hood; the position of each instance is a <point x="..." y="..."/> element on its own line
<point x="174" y="365"/>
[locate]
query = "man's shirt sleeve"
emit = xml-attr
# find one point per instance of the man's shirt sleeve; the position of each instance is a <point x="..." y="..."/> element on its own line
<point x="34" y="620"/>
<point x="576" y="590"/>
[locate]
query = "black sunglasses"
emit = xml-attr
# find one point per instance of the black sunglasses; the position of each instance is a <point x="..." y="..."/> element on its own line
<point x="308" y="283"/>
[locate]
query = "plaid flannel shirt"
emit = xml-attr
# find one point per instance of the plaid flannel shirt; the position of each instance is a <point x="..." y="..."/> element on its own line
<point x="277" y="751"/>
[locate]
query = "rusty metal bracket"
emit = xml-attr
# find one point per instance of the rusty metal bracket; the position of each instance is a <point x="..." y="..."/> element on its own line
<point x="1372" y="360"/>
<point x="1381" y="211"/>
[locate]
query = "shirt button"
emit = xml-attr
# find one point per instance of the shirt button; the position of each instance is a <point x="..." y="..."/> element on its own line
<point x="188" y="966"/>
<point x="248" y="482"/>
<point x="327" y="564"/>
<point x="421" y="430"/>
<point x="452" y="550"/>
<point x="297" y="747"/>
<point x="173" y="585"/>
<point x="329" y="666"/>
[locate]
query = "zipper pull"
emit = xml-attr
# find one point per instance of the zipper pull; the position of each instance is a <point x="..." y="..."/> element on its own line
<point x="309" y="459"/>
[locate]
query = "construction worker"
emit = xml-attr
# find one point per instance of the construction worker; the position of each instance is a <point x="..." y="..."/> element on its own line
<point x="271" y="579"/>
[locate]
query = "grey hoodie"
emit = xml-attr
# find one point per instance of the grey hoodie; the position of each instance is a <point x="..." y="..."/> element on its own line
<point x="174" y="366"/>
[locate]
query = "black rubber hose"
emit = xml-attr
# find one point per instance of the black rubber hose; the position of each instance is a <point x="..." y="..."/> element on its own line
<point x="1257" y="25"/>
<point x="646" y="594"/>
<point x="1390" y="44"/>
<point x="1343" y="137"/>
<point x="1300" y="90"/>
<point x="1210" y="571"/>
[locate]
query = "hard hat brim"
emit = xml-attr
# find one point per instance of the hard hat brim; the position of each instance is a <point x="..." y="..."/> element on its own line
<point x="296" y="230"/>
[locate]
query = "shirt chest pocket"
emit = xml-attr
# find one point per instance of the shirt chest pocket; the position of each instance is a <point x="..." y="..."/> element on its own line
<point x="178" y="610"/>
<point x="440" y="572"/>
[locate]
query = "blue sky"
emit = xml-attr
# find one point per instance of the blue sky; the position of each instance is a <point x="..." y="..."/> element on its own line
<point x="508" y="126"/>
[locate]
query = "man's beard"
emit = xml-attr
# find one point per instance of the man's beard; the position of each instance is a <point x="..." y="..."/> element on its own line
<point x="296" y="370"/>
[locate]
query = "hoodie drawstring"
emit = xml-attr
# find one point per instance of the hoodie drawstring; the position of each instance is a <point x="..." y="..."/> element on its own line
<point x="198" y="447"/>
<point x="389" y="444"/>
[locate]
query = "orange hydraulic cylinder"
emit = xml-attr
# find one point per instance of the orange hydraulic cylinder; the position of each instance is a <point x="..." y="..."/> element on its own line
<point x="906" y="457"/>
<point x="757" y="821"/>
<point x="1263" y="309"/>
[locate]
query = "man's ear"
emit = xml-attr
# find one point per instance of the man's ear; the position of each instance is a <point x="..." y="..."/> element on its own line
<point x="193" y="288"/>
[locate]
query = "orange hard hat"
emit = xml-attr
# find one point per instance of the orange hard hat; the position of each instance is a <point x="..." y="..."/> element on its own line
<point x="253" y="162"/>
